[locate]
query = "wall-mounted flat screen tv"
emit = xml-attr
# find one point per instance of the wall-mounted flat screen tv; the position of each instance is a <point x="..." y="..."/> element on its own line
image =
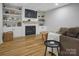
<point x="30" y="13"/>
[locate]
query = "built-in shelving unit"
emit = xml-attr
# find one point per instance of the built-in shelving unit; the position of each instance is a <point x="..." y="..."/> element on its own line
<point x="12" y="16"/>
<point x="41" y="18"/>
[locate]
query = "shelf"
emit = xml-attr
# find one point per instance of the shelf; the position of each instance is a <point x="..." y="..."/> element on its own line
<point x="30" y="21"/>
<point x="11" y="14"/>
<point x="12" y="9"/>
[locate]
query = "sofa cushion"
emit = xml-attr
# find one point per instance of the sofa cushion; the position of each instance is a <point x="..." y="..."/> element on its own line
<point x="62" y="30"/>
<point x="72" y="32"/>
<point x="78" y="35"/>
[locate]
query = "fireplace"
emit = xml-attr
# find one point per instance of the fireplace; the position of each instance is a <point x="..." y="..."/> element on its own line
<point x="29" y="30"/>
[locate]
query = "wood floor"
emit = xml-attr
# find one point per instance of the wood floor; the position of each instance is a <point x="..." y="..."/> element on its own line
<point x="24" y="46"/>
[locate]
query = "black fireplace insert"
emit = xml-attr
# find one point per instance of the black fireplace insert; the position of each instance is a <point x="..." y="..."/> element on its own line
<point x="29" y="30"/>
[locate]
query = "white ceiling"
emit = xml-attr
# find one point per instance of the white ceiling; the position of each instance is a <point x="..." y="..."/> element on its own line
<point x="39" y="6"/>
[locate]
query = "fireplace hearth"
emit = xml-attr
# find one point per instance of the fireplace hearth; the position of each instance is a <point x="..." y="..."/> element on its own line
<point x="29" y="30"/>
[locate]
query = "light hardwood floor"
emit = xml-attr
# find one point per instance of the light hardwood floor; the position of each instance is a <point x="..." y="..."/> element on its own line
<point x="24" y="46"/>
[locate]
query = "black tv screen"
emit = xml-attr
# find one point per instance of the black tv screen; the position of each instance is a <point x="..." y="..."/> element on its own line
<point x="30" y="13"/>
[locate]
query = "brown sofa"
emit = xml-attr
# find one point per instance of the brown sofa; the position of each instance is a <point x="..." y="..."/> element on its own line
<point x="69" y="41"/>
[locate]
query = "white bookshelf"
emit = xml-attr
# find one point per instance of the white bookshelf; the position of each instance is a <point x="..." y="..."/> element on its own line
<point x="41" y="18"/>
<point x="12" y="15"/>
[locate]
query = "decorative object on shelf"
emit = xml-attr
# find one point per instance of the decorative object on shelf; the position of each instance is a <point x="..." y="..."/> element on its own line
<point x="12" y="12"/>
<point x="42" y="16"/>
<point x="6" y="11"/>
<point x="38" y="16"/>
<point x="19" y="24"/>
<point x="29" y="19"/>
<point x="41" y="24"/>
<point x="42" y="20"/>
<point x="20" y="9"/>
<point x="4" y="5"/>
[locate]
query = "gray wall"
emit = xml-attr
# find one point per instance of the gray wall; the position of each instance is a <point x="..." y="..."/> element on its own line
<point x="67" y="16"/>
<point x="0" y="23"/>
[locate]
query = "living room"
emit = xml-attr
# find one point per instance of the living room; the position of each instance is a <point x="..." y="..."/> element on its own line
<point x="25" y="27"/>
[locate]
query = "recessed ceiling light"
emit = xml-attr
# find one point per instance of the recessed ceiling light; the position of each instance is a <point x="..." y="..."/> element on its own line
<point x="56" y="4"/>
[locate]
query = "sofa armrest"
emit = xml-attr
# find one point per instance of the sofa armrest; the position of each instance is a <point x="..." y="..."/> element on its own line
<point x="70" y="45"/>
